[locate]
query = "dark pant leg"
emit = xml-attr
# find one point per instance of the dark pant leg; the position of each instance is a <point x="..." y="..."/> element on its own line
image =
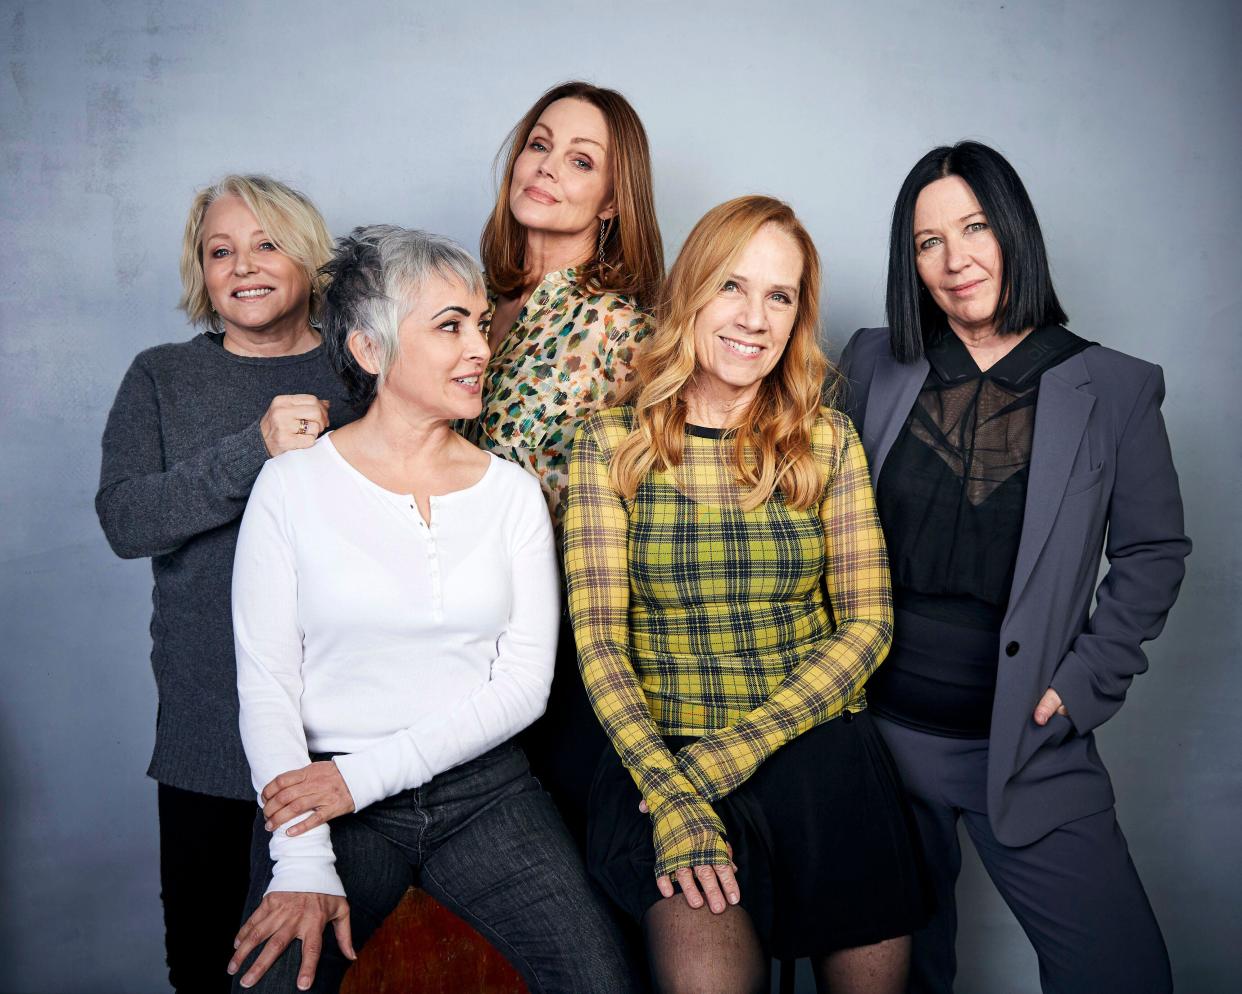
<point x="1078" y="896"/>
<point x="564" y="745"/>
<point x="375" y="852"/>
<point x="204" y="873"/>
<point x="500" y="857"/>
<point x="935" y="772"/>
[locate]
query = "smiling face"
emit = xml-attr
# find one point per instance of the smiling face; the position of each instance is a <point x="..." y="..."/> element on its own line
<point x="562" y="180"/>
<point x="443" y="350"/>
<point x="253" y="286"/>
<point x="741" y="333"/>
<point x="957" y="256"/>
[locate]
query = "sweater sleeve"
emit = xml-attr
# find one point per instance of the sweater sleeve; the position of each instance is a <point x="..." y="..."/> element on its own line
<point x="687" y="831"/>
<point x="148" y="508"/>
<point x="268" y="640"/>
<point x="513" y="696"/>
<point x="828" y="676"/>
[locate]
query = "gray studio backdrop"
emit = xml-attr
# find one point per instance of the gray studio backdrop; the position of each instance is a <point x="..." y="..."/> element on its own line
<point x="1121" y="116"/>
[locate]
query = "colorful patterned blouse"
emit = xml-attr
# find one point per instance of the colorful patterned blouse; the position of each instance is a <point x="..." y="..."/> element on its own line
<point x="741" y="628"/>
<point x="566" y="357"/>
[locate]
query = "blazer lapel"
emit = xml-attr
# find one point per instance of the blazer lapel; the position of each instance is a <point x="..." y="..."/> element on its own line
<point x="894" y="389"/>
<point x="1060" y="420"/>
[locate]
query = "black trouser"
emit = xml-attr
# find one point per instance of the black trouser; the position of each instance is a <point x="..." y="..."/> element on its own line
<point x="564" y="745"/>
<point x="204" y="876"/>
<point x="1075" y="892"/>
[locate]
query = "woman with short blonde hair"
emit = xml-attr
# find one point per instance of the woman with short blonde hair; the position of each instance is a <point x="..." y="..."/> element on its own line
<point x="192" y="425"/>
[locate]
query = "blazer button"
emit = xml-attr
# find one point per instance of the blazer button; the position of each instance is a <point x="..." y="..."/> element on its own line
<point x="1012" y="649"/>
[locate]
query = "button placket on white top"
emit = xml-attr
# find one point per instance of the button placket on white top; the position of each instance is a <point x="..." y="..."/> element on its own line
<point x="433" y="557"/>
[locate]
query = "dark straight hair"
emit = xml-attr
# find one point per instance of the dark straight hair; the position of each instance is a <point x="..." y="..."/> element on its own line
<point x="1027" y="298"/>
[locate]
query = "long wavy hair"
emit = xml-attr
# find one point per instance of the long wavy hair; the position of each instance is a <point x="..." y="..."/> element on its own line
<point x="772" y="448"/>
<point x="632" y="260"/>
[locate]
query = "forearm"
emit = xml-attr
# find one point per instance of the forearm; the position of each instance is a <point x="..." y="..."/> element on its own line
<point x="818" y="689"/>
<point x="687" y="831"/>
<point x="485" y="718"/>
<point x="1146" y="550"/>
<point x="268" y="647"/>
<point x="153" y="513"/>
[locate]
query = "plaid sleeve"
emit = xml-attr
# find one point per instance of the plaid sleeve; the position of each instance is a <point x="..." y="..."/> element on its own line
<point x="687" y="831"/>
<point x="832" y="672"/>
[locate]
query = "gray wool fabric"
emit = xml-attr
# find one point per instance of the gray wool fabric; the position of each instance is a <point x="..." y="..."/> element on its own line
<point x="181" y="451"/>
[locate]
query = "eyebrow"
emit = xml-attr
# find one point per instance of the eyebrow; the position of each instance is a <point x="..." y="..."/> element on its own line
<point x="456" y="308"/>
<point x="552" y="134"/>
<point x="964" y="217"/>
<point x="792" y="291"/>
<point x="221" y="234"/>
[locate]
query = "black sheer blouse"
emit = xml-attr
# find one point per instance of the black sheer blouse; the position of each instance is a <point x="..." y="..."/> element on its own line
<point x="951" y="498"/>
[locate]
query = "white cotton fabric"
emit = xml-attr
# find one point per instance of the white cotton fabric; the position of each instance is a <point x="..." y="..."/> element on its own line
<point x="361" y="629"/>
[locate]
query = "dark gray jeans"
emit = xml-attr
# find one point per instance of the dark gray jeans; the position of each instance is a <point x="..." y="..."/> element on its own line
<point x="485" y="841"/>
<point x="1075" y="892"/>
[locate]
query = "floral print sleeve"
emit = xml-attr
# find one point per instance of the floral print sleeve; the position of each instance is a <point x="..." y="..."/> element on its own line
<point x="568" y="355"/>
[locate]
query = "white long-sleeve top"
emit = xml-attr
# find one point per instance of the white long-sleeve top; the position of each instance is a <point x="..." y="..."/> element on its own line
<point x="360" y="629"/>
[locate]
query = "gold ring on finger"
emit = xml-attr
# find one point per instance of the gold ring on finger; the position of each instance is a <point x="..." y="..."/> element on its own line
<point x="305" y="423"/>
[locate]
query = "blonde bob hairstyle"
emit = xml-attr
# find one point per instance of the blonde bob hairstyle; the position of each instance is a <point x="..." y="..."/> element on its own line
<point x="772" y="447"/>
<point x="288" y="218"/>
<point x="632" y="261"/>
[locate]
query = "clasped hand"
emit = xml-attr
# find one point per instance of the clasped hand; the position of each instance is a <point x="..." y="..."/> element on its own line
<point x="718" y="882"/>
<point x="318" y="788"/>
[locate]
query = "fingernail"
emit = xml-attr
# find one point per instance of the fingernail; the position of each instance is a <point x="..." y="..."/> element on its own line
<point x="267" y="825"/>
<point x="717" y="907"/>
<point x="303" y="984"/>
<point x="733" y="899"/>
<point x="236" y="943"/>
<point x="232" y="969"/>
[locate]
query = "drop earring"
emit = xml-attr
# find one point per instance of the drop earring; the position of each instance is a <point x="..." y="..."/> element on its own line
<point x="603" y="237"/>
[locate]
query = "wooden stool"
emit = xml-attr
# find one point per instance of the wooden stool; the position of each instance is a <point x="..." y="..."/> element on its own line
<point x="426" y="948"/>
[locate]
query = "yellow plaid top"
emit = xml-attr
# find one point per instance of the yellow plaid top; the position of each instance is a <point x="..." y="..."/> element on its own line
<point x="696" y="618"/>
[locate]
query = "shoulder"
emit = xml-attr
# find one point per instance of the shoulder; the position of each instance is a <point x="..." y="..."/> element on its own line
<point x="170" y="355"/>
<point x="866" y="348"/>
<point x="1110" y="367"/>
<point x="831" y="424"/>
<point x="304" y="468"/>
<point x="513" y="479"/>
<point x="832" y="434"/>
<point x="619" y="314"/>
<point x="606" y="429"/>
<point x="1119" y="382"/>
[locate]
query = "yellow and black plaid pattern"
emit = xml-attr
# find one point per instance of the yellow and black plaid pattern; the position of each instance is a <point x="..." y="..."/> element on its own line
<point x="742" y="628"/>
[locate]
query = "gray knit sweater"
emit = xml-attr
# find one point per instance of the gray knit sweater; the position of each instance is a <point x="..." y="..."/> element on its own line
<point x="180" y="453"/>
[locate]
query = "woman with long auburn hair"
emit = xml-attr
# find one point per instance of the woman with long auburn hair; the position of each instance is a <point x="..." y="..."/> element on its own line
<point x="574" y="263"/>
<point x="729" y="590"/>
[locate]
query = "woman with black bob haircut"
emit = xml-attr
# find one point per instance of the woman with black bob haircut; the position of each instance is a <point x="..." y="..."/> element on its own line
<point x="395" y="609"/>
<point x="1008" y="453"/>
<point x="1027" y="298"/>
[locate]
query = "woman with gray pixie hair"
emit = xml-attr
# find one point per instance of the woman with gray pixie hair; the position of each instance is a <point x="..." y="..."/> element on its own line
<point x="395" y="606"/>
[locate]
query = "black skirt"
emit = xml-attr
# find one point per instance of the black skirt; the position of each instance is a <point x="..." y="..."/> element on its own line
<point x="825" y="843"/>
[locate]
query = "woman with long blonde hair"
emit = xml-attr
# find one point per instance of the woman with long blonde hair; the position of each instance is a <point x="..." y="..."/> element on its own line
<point x="729" y="591"/>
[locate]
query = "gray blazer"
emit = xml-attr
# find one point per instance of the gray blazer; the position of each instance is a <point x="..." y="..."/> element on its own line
<point x="1101" y="479"/>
